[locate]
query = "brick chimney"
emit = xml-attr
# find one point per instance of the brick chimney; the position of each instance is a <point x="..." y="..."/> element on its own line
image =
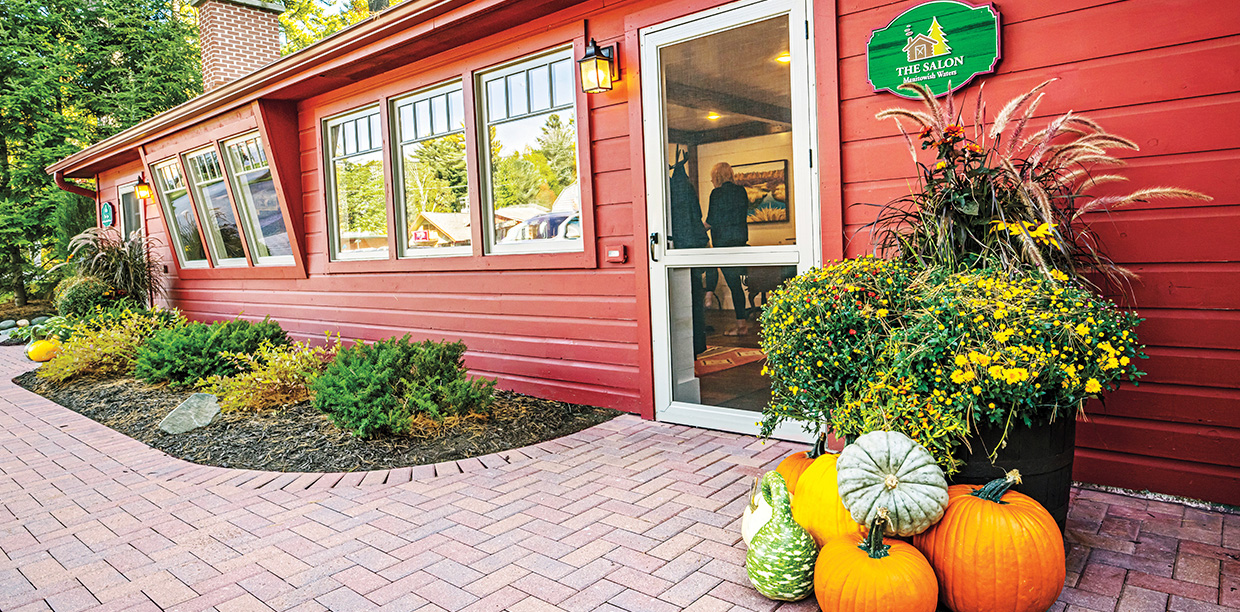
<point x="237" y="37"/>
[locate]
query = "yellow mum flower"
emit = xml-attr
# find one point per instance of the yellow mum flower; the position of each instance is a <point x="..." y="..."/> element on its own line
<point x="1092" y="386"/>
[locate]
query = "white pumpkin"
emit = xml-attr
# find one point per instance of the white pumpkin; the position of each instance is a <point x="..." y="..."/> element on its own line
<point x="756" y="514"/>
<point x="887" y="469"/>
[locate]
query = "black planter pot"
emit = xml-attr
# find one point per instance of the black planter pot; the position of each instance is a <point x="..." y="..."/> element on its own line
<point x="1043" y="455"/>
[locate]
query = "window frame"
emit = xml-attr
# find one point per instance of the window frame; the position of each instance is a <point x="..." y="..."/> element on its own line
<point x="523" y="63"/>
<point x="121" y="190"/>
<point x="174" y="238"/>
<point x="394" y="104"/>
<point x="329" y="180"/>
<point x="251" y="233"/>
<point x="217" y="260"/>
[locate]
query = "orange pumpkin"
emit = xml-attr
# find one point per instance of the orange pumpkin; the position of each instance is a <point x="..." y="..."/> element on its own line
<point x="995" y="550"/>
<point x="857" y="573"/>
<point x="816" y="505"/>
<point x="795" y="464"/>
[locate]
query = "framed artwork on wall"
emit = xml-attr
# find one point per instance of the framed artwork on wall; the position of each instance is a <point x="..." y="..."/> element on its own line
<point x="767" y="186"/>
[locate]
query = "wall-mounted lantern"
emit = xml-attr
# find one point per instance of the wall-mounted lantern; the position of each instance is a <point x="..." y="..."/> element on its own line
<point x="598" y="68"/>
<point x="142" y="190"/>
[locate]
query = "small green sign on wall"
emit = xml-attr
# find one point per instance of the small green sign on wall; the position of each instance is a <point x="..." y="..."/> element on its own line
<point x="106" y="215"/>
<point x="941" y="44"/>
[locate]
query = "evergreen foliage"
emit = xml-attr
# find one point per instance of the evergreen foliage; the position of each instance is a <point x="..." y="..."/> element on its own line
<point x="185" y="355"/>
<point x="377" y="388"/>
<point x="73" y="72"/>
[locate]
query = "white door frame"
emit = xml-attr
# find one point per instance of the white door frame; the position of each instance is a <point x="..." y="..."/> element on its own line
<point x="806" y="253"/>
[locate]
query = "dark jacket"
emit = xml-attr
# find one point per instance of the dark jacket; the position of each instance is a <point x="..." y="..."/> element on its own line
<point x="686" y="218"/>
<point x="729" y="215"/>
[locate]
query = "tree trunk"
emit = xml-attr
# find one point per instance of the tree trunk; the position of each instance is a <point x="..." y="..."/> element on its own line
<point x="19" y="283"/>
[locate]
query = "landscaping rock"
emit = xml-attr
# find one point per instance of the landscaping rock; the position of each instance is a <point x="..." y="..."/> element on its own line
<point x="195" y="412"/>
<point x="39" y="320"/>
<point x="22" y="323"/>
<point x="8" y="324"/>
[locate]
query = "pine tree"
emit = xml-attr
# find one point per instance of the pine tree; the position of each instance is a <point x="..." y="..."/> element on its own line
<point x="940" y="41"/>
<point x="73" y="72"/>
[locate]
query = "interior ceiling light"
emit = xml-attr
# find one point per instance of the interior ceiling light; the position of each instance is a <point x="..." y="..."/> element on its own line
<point x="784" y="58"/>
<point x="713" y="116"/>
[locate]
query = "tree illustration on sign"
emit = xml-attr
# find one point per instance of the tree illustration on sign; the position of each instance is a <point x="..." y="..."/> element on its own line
<point x="940" y="41"/>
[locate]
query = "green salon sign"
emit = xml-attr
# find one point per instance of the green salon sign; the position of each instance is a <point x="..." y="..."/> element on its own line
<point x="941" y="44"/>
<point x="106" y="215"/>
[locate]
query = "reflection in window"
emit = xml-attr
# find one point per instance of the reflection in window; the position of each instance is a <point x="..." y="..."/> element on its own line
<point x="356" y="186"/>
<point x="257" y="203"/>
<point x="532" y="166"/>
<point x="179" y="212"/>
<point x="430" y="130"/>
<point x="211" y="194"/>
<point x="130" y="212"/>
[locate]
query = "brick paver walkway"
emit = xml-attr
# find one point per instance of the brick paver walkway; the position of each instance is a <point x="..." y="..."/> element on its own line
<point x="626" y="516"/>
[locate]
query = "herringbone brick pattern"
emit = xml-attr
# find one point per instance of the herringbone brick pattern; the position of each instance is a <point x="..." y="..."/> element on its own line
<point x="626" y="516"/>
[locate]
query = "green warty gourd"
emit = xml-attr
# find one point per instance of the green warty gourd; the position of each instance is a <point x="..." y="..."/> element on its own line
<point x="781" y="556"/>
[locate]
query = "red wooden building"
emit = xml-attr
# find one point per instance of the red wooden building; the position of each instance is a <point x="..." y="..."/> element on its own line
<point x="438" y="170"/>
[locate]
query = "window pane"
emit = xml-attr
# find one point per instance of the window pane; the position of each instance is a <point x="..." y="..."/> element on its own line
<point x="533" y="172"/>
<point x="131" y="214"/>
<point x="406" y="122"/>
<point x="497" y="105"/>
<point x="361" y="210"/>
<point x="562" y="75"/>
<point x="259" y="206"/>
<point x="350" y="138"/>
<point x="337" y="140"/>
<point x="422" y="113"/>
<point x="221" y="224"/>
<point x="376" y="132"/>
<point x="456" y="110"/>
<point x="439" y="114"/>
<point x="211" y="194"/>
<point x="435" y="193"/>
<point x="518" y="103"/>
<point x="540" y="88"/>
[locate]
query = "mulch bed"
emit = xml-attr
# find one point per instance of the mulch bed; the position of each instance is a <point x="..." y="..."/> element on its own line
<point x="302" y="439"/>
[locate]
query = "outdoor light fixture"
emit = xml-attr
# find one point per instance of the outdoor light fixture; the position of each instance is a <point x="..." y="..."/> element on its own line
<point x="713" y="116"/>
<point x="143" y="189"/>
<point x="784" y="58"/>
<point x="598" y="68"/>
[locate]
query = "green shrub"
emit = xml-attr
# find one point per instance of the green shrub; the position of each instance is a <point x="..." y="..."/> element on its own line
<point x="106" y="346"/>
<point x="80" y="296"/>
<point x="380" y="387"/>
<point x="273" y="377"/>
<point x="185" y="355"/>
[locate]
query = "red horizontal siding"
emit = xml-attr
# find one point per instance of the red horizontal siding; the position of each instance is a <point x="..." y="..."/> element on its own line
<point x="1176" y="92"/>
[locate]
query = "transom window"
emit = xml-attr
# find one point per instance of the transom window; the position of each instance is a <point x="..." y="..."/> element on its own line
<point x="433" y="183"/>
<point x="533" y="197"/>
<point x="356" y="200"/>
<point x="257" y="202"/>
<point x="211" y="194"/>
<point x="179" y="211"/>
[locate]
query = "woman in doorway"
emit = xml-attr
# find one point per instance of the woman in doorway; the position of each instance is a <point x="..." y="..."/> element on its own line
<point x="728" y="221"/>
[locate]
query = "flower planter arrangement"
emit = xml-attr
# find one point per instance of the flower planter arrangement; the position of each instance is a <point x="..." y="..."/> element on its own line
<point x="966" y="346"/>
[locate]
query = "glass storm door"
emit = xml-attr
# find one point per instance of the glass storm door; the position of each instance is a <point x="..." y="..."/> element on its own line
<point x="728" y="125"/>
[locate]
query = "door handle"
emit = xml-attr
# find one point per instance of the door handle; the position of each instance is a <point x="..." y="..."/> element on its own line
<point x="654" y="245"/>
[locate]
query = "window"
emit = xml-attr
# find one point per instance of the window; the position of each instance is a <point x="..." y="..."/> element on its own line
<point x="179" y="211"/>
<point x="433" y="187"/>
<point x="215" y="210"/>
<point x="355" y="187"/>
<point x="130" y="212"/>
<point x="531" y="132"/>
<point x="255" y="191"/>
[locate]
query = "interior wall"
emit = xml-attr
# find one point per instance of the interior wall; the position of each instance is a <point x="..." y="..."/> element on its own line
<point x="770" y="147"/>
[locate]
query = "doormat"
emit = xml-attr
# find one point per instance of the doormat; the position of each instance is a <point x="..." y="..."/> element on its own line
<point x="720" y="358"/>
